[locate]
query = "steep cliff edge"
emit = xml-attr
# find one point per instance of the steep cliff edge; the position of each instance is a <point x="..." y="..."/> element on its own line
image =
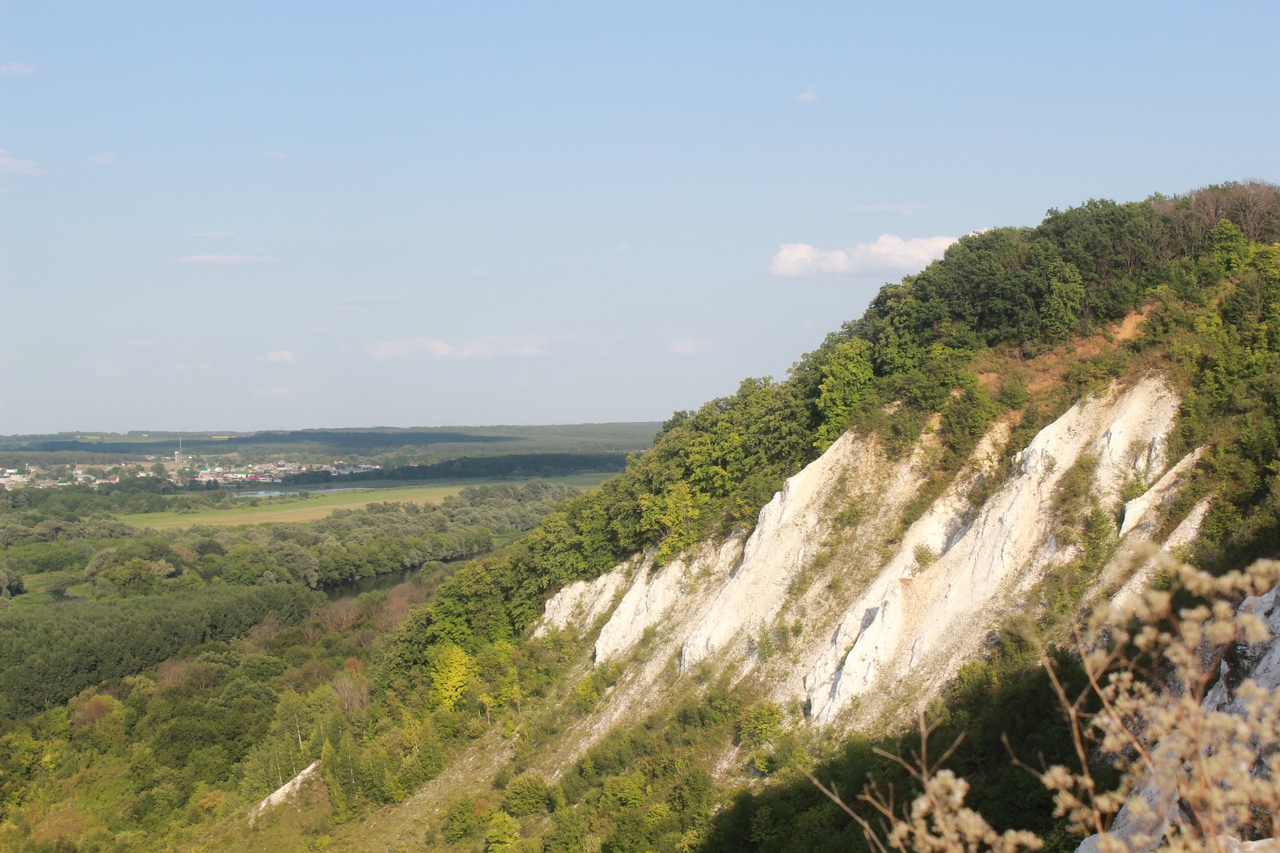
<point x="873" y="617"/>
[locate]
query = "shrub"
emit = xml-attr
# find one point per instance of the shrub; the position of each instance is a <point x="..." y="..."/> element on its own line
<point x="527" y="794"/>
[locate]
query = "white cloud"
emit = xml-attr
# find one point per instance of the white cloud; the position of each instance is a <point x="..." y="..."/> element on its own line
<point x="14" y="166"/>
<point x="904" y="209"/>
<point x="273" y="391"/>
<point x="214" y="234"/>
<point x="886" y="253"/>
<point x="275" y="155"/>
<point x="103" y="160"/>
<point x="809" y="96"/>
<point x="280" y="356"/>
<point x="224" y="260"/>
<point x="685" y="346"/>
<point x="487" y="346"/>
<point x="109" y="371"/>
<point x="622" y="248"/>
<point x="17" y="69"/>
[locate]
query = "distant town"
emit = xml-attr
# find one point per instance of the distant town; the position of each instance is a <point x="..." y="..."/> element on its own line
<point x="180" y="471"/>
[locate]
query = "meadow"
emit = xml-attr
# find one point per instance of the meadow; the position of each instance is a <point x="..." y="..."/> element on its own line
<point x="317" y="505"/>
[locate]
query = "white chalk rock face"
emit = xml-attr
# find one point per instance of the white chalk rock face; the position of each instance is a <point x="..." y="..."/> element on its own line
<point x="581" y="603"/>
<point x="653" y="593"/>
<point x="1183" y="535"/>
<point x="901" y="627"/>
<point x="787" y="530"/>
<point x="1138" y="515"/>
<point x="915" y="625"/>
<point x="284" y="792"/>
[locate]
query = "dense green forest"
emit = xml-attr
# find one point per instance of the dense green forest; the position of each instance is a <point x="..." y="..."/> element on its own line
<point x="514" y="465"/>
<point x="191" y="577"/>
<point x="386" y="689"/>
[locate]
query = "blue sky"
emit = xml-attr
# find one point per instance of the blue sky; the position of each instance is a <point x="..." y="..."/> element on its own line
<point x="279" y="215"/>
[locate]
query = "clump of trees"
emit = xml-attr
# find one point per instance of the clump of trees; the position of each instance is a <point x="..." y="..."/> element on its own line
<point x="122" y="561"/>
<point x="51" y="654"/>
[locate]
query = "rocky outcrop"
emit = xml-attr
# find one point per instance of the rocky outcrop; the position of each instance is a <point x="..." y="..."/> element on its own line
<point x="284" y="792"/>
<point x="882" y="615"/>
<point x="654" y="593"/>
<point x="1152" y="807"/>
<point x="789" y="530"/>
<point x="581" y="603"/>
<point x="1140" y="513"/>
<point x="917" y="624"/>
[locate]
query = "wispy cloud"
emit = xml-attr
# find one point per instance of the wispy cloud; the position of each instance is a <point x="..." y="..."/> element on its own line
<point x="622" y="248"/>
<point x="487" y="346"/>
<point x="17" y="69"/>
<point x="109" y="371"/>
<point x="886" y="253"/>
<point x="686" y="346"/>
<point x="275" y="155"/>
<point x="809" y="96"/>
<point x="216" y="235"/>
<point x="273" y="391"/>
<point x="904" y="209"/>
<point x="13" y="166"/>
<point x="280" y="356"/>
<point x="224" y="261"/>
<point x="364" y="301"/>
<point x="103" y="160"/>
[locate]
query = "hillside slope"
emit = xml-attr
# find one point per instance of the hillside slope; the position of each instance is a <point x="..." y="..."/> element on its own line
<point x="954" y="515"/>
<point x="896" y="629"/>
<point x="912" y="520"/>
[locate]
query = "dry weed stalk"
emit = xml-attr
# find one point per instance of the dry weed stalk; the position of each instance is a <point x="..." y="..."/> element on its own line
<point x="1196" y="742"/>
<point x="937" y="821"/>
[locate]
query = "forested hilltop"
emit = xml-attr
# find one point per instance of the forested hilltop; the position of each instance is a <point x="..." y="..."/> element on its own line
<point x="440" y="699"/>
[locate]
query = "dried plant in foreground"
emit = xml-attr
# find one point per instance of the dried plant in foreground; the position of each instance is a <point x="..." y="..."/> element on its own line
<point x="1183" y="703"/>
<point x="937" y="821"/>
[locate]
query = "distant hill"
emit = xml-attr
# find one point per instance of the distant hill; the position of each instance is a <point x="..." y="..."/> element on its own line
<point x="415" y="444"/>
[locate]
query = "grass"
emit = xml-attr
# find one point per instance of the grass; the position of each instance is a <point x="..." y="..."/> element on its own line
<point x="321" y="505"/>
<point x="38" y="586"/>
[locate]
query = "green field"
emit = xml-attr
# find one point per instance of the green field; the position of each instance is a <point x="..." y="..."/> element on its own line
<point x="320" y="505"/>
<point x="39" y="586"/>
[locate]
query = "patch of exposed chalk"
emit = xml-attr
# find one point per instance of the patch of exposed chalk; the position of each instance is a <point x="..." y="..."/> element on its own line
<point x="788" y="529"/>
<point x="284" y="792"/>
<point x="1189" y="528"/>
<point x="654" y="592"/>
<point x="1140" y="578"/>
<point x="581" y="603"/>
<point x="1137" y="512"/>
<point x="913" y="628"/>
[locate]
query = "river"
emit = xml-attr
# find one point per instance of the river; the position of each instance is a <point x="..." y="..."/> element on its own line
<point x="350" y="589"/>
